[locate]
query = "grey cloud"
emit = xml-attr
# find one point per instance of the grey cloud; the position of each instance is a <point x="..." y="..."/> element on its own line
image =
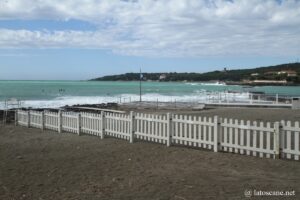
<point x="162" y="28"/>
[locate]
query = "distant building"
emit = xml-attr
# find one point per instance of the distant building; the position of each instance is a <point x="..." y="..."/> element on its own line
<point x="292" y="74"/>
<point x="289" y="73"/>
<point x="281" y="72"/>
<point x="162" y="77"/>
<point x="254" y="74"/>
<point x="269" y="81"/>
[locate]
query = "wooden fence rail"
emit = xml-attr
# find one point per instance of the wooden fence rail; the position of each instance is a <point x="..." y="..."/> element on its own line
<point x="263" y="139"/>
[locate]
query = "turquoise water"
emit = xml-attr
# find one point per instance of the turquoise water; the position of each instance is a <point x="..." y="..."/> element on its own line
<point x="57" y="93"/>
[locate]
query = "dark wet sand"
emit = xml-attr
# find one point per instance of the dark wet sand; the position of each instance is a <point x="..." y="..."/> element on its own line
<point x="47" y="165"/>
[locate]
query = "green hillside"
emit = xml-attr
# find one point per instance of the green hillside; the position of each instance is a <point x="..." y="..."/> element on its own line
<point x="278" y="72"/>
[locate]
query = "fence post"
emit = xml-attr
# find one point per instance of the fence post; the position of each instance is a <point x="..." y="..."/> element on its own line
<point x="78" y="123"/>
<point x="169" y="129"/>
<point x="276" y="139"/>
<point x="282" y="137"/>
<point x="216" y="133"/>
<point x="43" y="121"/>
<point x="102" y="125"/>
<point x="16" y="117"/>
<point x="28" y="118"/>
<point x="59" y="121"/>
<point x="132" y="124"/>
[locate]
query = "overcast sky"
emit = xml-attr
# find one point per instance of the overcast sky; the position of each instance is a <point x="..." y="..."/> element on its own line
<point x="82" y="39"/>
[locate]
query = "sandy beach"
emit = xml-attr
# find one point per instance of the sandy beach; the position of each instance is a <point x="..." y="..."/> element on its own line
<point x="241" y="113"/>
<point x="36" y="164"/>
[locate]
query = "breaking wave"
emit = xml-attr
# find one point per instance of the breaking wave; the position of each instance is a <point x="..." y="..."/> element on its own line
<point x="124" y="98"/>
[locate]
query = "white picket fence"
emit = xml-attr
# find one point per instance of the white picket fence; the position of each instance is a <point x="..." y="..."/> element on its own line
<point x="152" y="128"/>
<point x="22" y="118"/>
<point x="36" y="119"/>
<point x="195" y="131"/>
<point x="263" y="139"/>
<point x="117" y="125"/>
<point x="289" y="140"/>
<point x="250" y="138"/>
<point x="91" y="124"/>
<point x="51" y="121"/>
<point x="70" y="122"/>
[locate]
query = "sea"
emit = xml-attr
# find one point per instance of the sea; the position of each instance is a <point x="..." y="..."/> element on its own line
<point x="52" y="94"/>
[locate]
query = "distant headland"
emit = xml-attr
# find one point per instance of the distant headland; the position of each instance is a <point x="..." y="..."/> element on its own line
<point x="284" y="74"/>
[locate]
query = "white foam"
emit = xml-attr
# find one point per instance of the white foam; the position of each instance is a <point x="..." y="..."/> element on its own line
<point x="192" y="84"/>
<point x="197" y="96"/>
<point x="215" y="84"/>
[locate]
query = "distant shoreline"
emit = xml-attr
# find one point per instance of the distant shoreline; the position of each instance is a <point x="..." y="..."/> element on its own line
<point x="262" y="84"/>
<point x="226" y="82"/>
<point x="282" y="75"/>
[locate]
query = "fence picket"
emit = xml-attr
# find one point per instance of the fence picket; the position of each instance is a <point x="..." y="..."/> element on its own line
<point x="242" y="137"/>
<point x="132" y="125"/>
<point x="156" y="129"/>
<point x="209" y="134"/>
<point x="180" y="129"/>
<point x="261" y="139"/>
<point x="268" y="138"/>
<point x="204" y="132"/>
<point x="248" y="138"/>
<point x="276" y="140"/>
<point x="296" y="140"/>
<point x="216" y="134"/>
<point x="195" y="136"/>
<point x="254" y="138"/>
<point x="169" y="129"/>
<point x="288" y="140"/>
<point x="230" y="135"/>
<point x="225" y="134"/>
<point x="236" y="130"/>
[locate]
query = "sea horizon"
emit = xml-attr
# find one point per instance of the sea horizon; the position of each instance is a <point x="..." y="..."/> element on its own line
<point x="57" y="93"/>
